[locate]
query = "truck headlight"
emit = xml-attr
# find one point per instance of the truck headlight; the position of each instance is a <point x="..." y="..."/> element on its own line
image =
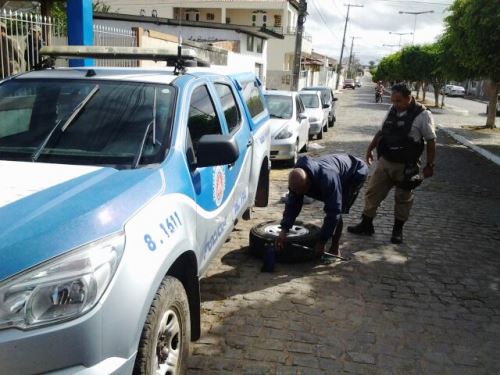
<point x="62" y="288"/>
<point x="284" y="134"/>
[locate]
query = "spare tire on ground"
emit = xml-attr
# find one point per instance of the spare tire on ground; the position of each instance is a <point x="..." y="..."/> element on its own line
<point x="300" y="234"/>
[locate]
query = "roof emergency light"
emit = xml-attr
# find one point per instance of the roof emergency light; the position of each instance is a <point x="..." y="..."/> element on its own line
<point x="170" y="55"/>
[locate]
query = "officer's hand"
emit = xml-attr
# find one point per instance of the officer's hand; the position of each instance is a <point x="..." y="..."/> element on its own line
<point x="319" y="248"/>
<point x="369" y="157"/>
<point x="280" y="241"/>
<point x="428" y="171"/>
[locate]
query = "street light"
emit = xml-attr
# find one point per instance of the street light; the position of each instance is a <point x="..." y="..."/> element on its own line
<point x="400" y="35"/>
<point x="415" y="21"/>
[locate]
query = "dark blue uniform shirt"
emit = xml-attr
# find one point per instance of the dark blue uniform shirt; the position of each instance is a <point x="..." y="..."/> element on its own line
<point x="332" y="178"/>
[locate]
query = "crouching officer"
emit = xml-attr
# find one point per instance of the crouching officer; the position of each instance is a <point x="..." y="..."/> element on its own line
<point x="334" y="179"/>
<point x="399" y="144"/>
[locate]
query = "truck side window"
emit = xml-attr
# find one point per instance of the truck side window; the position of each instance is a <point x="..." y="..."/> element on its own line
<point x="253" y="99"/>
<point x="231" y="111"/>
<point x="202" y="116"/>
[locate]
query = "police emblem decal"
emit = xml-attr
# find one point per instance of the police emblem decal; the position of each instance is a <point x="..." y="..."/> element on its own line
<point x="219" y="184"/>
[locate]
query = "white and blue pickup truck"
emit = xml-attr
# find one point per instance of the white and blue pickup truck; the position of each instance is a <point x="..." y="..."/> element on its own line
<point x="117" y="188"/>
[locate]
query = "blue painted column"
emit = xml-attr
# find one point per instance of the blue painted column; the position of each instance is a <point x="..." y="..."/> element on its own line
<point x="80" y="32"/>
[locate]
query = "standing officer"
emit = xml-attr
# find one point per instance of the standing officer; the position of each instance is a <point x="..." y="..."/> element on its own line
<point x="399" y="144"/>
<point x="334" y="179"/>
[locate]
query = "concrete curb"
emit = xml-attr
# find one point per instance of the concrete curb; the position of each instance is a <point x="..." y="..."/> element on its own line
<point x="481" y="151"/>
<point x="449" y="109"/>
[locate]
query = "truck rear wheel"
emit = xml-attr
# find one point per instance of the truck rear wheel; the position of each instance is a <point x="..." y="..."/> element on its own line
<point x="164" y="344"/>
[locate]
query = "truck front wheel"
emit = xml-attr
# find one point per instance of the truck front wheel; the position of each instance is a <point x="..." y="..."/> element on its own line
<point x="164" y="345"/>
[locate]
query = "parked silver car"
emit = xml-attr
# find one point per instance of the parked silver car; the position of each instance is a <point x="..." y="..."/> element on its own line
<point x="327" y="98"/>
<point x="289" y="125"/>
<point x="454" y="90"/>
<point x="317" y="113"/>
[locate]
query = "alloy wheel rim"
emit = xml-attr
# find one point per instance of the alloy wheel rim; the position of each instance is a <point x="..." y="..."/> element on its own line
<point x="295" y="230"/>
<point x="166" y="357"/>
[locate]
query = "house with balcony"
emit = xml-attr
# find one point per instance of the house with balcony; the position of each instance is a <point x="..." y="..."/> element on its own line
<point x="278" y="16"/>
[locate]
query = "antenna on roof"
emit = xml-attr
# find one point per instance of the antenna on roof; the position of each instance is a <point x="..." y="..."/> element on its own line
<point x="179" y="67"/>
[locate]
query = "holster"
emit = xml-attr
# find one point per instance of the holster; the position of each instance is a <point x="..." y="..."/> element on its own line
<point x="411" y="177"/>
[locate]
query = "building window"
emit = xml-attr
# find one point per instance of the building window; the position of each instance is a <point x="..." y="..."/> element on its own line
<point x="277" y="20"/>
<point x="250" y="41"/>
<point x="260" y="45"/>
<point x="210" y="16"/>
<point x="228" y="20"/>
<point x="254" y="18"/>
<point x="264" y="18"/>
<point x="197" y="16"/>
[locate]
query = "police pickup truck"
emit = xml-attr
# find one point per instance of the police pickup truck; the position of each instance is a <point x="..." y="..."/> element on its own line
<point x="117" y="188"/>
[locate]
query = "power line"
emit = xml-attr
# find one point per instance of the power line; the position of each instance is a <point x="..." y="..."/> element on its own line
<point x="339" y="65"/>
<point x="416" y="2"/>
<point x="322" y="19"/>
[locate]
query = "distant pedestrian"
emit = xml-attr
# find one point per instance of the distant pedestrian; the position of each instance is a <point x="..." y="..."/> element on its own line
<point x="10" y="56"/>
<point x="406" y="129"/>
<point x="334" y="179"/>
<point x="33" y="44"/>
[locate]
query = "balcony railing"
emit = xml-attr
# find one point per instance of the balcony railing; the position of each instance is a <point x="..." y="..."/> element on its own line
<point x="288" y="31"/>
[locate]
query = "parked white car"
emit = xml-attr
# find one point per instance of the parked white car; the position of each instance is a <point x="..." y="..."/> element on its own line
<point x="453" y="90"/>
<point x="289" y="125"/>
<point x="317" y="113"/>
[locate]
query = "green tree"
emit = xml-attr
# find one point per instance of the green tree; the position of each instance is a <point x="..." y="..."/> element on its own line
<point x="435" y="72"/>
<point x="472" y="31"/>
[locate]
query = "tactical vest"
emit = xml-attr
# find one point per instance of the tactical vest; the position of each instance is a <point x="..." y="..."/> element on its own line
<point x="395" y="143"/>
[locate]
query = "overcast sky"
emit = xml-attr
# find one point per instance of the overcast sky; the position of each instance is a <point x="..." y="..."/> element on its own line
<point x="372" y="24"/>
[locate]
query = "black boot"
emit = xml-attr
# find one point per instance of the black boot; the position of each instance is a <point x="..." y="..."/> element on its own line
<point x="397" y="231"/>
<point x="365" y="227"/>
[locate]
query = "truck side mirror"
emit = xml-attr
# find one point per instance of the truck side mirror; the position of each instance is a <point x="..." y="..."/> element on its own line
<point x="216" y="149"/>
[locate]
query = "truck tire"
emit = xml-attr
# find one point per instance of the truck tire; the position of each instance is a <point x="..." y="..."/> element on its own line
<point x="164" y="344"/>
<point x="262" y="194"/>
<point x="301" y="234"/>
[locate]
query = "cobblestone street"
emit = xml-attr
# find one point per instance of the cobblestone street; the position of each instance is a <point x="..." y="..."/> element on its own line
<point x="428" y="306"/>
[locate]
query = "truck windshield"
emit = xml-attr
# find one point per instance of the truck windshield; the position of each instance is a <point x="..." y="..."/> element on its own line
<point x="109" y="121"/>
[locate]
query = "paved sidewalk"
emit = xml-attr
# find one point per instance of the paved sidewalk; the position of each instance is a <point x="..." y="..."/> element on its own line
<point x="429" y="306"/>
<point x="464" y="125"/>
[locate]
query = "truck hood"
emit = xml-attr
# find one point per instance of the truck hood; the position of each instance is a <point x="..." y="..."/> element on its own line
<point x="276" y="124"/>
<point x="49" y="209"/>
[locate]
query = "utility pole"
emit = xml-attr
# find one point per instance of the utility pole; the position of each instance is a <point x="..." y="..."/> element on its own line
<point x="415" y="20"/>
<point x="339" y="65"/>
<point x="301" y="19"/>
<point x="350" y="55"/>
<point x="400" y="35"/>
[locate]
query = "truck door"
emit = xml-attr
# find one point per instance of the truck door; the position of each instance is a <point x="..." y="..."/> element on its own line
<point x="238" y="174"/>
<point x="212" y="192"/>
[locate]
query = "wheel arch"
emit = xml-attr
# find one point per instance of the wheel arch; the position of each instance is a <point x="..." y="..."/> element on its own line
<point x="185" y="269"/>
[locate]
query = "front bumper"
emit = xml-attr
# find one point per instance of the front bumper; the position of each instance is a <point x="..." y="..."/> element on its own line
<point x="315" y="128"/>
<point x="65" y="348"/>
<point x="283" y="149"/>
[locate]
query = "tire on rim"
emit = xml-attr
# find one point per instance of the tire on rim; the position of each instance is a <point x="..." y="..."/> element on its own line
<point x="164" y="344"/>
<point x="301" y="233"/>
<point x="320" y="134"/>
